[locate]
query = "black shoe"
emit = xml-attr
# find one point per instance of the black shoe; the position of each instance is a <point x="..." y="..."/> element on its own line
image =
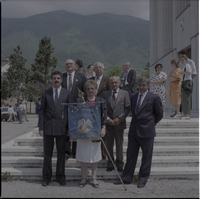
<point x="120" y="169"/>
<point x="141" y="185"/>
<point x="45" y="183"/>
<point x="118" y="182"/>
<point x="62" y="182"/>
<point x="109" y="169"/>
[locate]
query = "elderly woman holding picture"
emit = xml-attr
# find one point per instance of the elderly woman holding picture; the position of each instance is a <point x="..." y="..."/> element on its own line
<point x="89" y="151"/>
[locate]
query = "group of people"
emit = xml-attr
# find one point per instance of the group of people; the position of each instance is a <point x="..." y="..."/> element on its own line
<point x="180" y="84"/>
<point x="119" y="98"/>
<point x="21" y="113"/>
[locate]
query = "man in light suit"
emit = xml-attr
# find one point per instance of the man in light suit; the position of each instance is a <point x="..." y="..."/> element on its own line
<point x="103" y="84"/>
<point x="129" y="79"/>
<point x="147" y="111"/>
<point x="53" y="125"/>
<point x="118" y="108"/>
<point x="72" y="81"/>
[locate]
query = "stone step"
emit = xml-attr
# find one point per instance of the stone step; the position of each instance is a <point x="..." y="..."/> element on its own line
<point x="75" y="173"/>
<point x="192" y="123"/>
<point x="158" y="150"/>
<point x="158" y="161"/>
<point x="169" y="141"/>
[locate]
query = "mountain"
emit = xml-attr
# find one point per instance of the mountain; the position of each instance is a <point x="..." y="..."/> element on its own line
<point x="107" y="38"/>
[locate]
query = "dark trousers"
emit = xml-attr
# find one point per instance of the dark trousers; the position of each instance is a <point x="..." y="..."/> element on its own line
<point x="134" y="144"/>
<point x="70" y="147"/>
<point x="48" y="142"/>
<point x="113" y="133"/>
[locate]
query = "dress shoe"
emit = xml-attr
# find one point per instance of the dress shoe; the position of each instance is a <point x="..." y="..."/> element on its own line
<point x="109" y="169"/>
<point x="62" y="182"/>
<point x="141" y="185"/>
<point x="67" y="156"/>
<point x="173" y="114"/>
<point x="120" y="169"/>
<point x="118" y="182"/>
<point x="45" y="183"/>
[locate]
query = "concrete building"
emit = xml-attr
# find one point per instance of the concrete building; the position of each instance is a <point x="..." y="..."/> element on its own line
<point x="174" y="26"/>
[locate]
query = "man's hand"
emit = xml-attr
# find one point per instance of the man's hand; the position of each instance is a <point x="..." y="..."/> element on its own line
<point x="41" y="133"/>
<point x="110" y="122"/>
<point x="117" y="121"/>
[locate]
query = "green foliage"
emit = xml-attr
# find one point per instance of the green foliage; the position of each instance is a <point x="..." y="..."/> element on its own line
<point x="41" y="69"/>
<point x="145" y="72"/>
<point x="14" y="81"/>
<point x="114" y="71"/>
<point x="5" y="176"/>
<point x="107" y="38"/>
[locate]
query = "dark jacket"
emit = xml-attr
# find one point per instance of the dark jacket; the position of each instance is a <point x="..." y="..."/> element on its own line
<point x="53" y="119"/>
<point x="150" y="113"/>
<point x="78" y="82"/>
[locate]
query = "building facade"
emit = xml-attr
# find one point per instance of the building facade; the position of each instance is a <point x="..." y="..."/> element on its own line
<point x="174" y="26"/>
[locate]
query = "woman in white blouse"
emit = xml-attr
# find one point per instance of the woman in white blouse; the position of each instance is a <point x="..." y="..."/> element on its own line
<point x="186" y="80"/>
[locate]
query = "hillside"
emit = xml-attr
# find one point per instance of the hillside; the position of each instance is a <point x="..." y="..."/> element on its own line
<point x="108" y="38"/>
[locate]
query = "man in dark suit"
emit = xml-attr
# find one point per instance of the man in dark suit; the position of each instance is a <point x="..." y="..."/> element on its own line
<point x="38" y="108"/>
<point x="129" y="79"/>
<point x="118" y="108"/>
<point x="53" y="125"/>
<point x="103" y="84"/>
<point x="72" y="81"/>
<point x="147" y="111"/>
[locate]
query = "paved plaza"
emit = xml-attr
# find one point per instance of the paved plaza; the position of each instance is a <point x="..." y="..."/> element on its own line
<point x="155" y="188"/>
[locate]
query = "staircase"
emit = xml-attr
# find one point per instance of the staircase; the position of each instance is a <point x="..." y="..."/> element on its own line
<point x="176" y="154"/>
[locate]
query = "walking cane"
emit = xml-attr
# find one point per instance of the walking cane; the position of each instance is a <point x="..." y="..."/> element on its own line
<point x="113" y="164"/>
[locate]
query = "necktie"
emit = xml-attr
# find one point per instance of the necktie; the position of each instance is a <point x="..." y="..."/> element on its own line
<point x="139" y="102"/>
<point x="56" y="97"/>
<point x="70" y="82"/>
<point x="113" y="96"/>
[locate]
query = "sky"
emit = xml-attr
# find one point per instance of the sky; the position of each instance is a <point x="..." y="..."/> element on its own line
<point x="26" y="8"/>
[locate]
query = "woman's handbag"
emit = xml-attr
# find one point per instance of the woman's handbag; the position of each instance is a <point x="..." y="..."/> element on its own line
<point x="187" y="86"/>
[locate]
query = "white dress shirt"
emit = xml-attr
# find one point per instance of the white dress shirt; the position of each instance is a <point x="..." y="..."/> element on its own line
<point x="142" y="98"/>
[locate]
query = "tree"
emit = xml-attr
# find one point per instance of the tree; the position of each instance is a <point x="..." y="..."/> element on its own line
<point x="115" y="71"/>
<point x="145" y="72"/>
<point x="41" y="69"/>
<point x="14" y="81"/>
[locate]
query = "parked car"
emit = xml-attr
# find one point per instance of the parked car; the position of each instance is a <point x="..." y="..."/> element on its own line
<point x="5" y="115"/>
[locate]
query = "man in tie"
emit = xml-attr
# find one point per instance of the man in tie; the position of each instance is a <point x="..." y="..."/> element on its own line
<point x="147" y="111"/>
<point x="103" y="84"/>
<point x="53" y="125"/>
<point x="118" y="108"/>
<point x="72" y="81"/>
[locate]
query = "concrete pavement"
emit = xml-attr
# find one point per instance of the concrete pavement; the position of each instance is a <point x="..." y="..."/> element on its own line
<point x="155" y="188"/>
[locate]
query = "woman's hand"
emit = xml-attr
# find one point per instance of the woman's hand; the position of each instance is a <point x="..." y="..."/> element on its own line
<point x="84" y="103"/>
<point x="103" y="131"/>
<point x="41" y="133"/>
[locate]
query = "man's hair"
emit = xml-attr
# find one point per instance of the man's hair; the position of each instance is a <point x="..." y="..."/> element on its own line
<point x="99" y="63"/>
<point x="143" y="79"/>
<point x="115" y="77"/>
<point x="56" y="73"/>
<point x="183" y="52"/>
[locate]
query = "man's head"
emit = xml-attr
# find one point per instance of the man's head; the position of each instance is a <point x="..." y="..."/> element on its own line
<point x="143" y="84"/>
<point x="115" y="82"/>
<point x="126" y="66"/>
<point x="70" y="65"/>
<point x="183" y="53"/>
<point x="56" y="79"/>
<point x="99" y="69"/>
